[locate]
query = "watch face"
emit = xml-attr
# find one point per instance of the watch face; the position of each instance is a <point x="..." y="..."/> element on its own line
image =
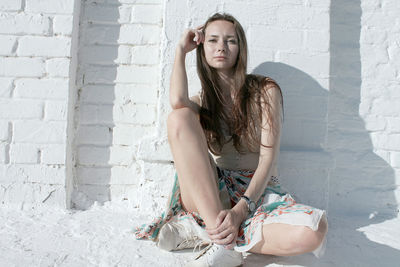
<point x="252" y="206"/>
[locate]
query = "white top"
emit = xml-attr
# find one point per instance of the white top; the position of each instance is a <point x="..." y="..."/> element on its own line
<point x="231" y="159"/>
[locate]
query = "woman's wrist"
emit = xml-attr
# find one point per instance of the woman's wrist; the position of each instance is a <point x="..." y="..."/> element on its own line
<point x="242" y="209"/>
<point x="180" y="50"/>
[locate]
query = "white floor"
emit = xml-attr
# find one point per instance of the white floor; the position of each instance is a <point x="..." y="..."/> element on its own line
<point x="102" y="236"/>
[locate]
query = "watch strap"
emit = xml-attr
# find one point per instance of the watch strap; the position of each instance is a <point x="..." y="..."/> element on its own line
<point x="248" y="202"/>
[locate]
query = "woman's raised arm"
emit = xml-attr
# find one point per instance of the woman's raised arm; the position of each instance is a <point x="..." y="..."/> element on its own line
<point x="178" y="94"/>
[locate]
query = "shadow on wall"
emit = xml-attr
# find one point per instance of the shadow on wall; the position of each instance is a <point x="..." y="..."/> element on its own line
<point x="358" y="184"/>
<point x="303" y="160"/>
<point x="97" y="72"/>
<point x="362" y="184"/>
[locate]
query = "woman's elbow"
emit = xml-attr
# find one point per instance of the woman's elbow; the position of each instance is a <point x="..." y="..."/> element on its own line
<point x="178" y="103"/>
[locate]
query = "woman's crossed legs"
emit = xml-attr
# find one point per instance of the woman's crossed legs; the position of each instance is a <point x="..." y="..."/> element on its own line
<point x="199" y="192"/>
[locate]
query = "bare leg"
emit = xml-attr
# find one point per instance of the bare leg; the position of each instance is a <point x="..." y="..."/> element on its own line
<point x="197" y="179"/>
<point x="289" y="240"/>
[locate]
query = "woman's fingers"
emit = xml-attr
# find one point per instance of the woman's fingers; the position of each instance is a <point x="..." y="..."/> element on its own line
<point x="222" y="234"/>
<point x="221" y="217"/>
<point x="225" y="241"/>
<point x="199" y="37"/>
<point x="232" y="244"/>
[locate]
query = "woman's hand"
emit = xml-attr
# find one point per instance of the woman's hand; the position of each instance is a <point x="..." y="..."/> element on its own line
<point x="226" y="231"/>
<point x="191" y="38"/>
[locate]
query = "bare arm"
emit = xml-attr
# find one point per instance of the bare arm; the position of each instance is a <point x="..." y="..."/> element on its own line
<point x="271" y="138"/>
<point x="228" y="221"/>
<point x="178" y="95"/>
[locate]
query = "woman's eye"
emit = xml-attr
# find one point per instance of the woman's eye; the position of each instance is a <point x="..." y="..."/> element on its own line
<point x="232" y="41"/>
<point x="211" y="40"/>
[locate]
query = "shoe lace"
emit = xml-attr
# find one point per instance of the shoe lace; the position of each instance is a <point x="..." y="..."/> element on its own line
<point x="191" y="240"/>
<point x="207" y="250"/>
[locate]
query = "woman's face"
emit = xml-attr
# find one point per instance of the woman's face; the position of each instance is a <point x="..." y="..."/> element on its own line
<point x="221" y="45"/>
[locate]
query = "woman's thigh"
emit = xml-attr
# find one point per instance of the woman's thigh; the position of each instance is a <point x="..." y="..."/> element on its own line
<point x="186" y="120"/>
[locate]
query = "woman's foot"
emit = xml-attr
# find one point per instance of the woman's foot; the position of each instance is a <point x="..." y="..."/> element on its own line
<point x="181" y="234"/>
<point x="217" y="255"/>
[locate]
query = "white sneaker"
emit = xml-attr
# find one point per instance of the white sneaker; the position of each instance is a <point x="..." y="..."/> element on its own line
<point x="181" y="234"/>
<point x="217" y="255"/>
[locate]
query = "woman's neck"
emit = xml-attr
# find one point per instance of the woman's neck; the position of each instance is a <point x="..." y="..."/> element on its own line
<point x="227" y="83"/>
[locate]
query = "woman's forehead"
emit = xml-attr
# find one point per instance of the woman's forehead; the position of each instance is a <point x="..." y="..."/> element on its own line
<point x="220" y="27"/>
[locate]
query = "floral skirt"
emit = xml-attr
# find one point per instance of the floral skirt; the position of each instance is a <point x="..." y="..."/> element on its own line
<point x="275" y="205"/>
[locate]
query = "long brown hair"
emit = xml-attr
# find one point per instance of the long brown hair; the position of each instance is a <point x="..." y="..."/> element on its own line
<point x="250" y="90"/>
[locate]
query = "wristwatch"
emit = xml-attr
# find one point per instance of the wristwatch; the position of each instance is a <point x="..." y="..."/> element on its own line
<point x="251" y="205"/>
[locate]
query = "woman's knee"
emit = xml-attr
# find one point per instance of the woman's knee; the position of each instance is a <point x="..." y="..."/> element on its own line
<point x="179" y="119"/>
<point x="308" y="240"/>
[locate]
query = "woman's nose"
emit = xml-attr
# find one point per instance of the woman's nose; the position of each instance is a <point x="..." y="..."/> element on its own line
<point x="221" y="46"/>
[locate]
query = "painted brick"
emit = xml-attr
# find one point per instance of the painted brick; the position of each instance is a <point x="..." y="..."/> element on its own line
<point x="130" y="113"/>
<point x="395" y="159"/>
<point x="106" y="54"/>
<point x="127" y="135"/>
<point x="49" y="6"/>
<point x="147" y="14"/>
<point x="6" y="86"/>
<point x="62" y="24"/>
<point x="8" y="44"/>
<point x="275" y="38"/>
<point x="386" y="141"/>
<point x="101" y="34"/>
<point x="3" y="153"/>
<point x="317" y="40"/>
<point x="384" y="107"/>
<point x="58" y="67"/>
<point x="124" y="14"/>
<point x="150" y="149"/>
<point x="42" y="88"/>
<point x="146" y="55"/>
<point x="94" y="135"/>
<point x="120" y="93"/>
<point x="53" y="154"/>
<point x="137" y="1"/>
<point x="139" y="34"/>
<point x="23" y="23"/>
<point x="21" y="109"/>
<point x="94" y="114"/>
<point x="24" y="153"/>
<point x="107" y="13"/>
<point x="307" y="63"/>
<point x="38" y="132"/>
<point x="21" y="67"/>
<point x="34" y="194"/>
<point x="4" y="131"/>
<point x="136" y="74"/>
<point x="98" y="94"/>
<point x="93" y="156"/>
<point x="136" y="93"/>
<point x="97" y="74"/>
<point x="55" y="111"/>
<point x="114" y="175"/>
<point x="303" y="18"/>
<point x="10" y="5"/>
<point x="44" y="46"/>
<point x="393" y="124"/>
<point x="375" y="123"/>
<point x="120" y="155"/>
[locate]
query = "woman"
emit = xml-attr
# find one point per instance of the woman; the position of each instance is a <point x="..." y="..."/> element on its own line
<point x="229" y="198"/>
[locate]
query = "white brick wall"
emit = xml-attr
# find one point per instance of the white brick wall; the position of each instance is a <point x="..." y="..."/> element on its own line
<point x="337" y="63"/>
<point x="35" y="56"/>
<point x="118" y="88"/>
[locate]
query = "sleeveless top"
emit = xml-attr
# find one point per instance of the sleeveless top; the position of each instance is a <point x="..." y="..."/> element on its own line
<point x="231" y="159"/>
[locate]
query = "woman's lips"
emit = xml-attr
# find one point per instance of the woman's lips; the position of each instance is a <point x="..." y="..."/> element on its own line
<point x="220" y="58"/>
